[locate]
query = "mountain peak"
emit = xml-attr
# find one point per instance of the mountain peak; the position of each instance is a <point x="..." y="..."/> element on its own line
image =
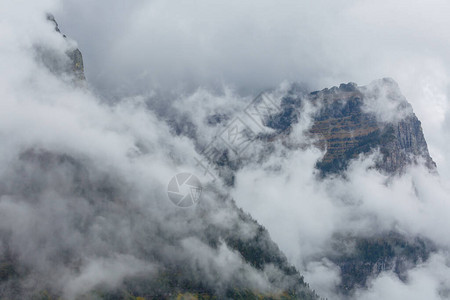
<point x="351" y="120"/>
<point x="72" y="64"/>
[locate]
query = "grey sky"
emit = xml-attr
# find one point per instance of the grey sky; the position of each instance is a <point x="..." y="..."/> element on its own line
<point x="208" y="56"/>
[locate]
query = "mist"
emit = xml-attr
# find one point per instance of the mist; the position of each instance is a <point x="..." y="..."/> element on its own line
<point x="66" y="148"/>
<point x="83" y="202"/>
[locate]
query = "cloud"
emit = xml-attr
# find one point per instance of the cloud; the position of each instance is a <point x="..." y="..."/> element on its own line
<point x="139" y="47"/>
<point x="304" y="214"/>
<point x="256" y="44"/>
<point x="197" y="60"/>
<point x="429" y="280"/>
<point x="83" y="203"/>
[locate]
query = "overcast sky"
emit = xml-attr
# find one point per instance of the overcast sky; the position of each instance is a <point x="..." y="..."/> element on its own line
<point x="135" y="47"/>
<point x="253" y="45"/>
<point x="209" y="55"/>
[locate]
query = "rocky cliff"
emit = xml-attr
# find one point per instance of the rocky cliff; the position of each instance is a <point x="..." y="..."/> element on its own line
<point x="352" y="120"/>
<point x="348" y="121"/>
<point x="72" y="65"/>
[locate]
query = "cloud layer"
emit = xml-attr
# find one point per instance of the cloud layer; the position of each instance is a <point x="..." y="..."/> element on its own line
<point x="194" y="60"/>
<point x="135" y="48"/>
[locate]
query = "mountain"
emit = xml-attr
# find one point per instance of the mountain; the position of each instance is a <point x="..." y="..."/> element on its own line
<point x="87" y="219"/>
<point x="352" y="120"/>
<point x="70" y="62"/>
<point x="347" y="122"/>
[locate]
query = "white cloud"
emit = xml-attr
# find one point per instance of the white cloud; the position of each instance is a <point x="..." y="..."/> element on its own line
<point x="136" y="48"/>
<point x="83" y="183"/>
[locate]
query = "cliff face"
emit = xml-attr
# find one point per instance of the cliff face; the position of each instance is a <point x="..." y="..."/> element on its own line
<point x="348" y="121"/>
<point x="73" y="65"/>
<point x="405" y="145"/>
<point x="352" y="120"/>
<point x="179" y="274"/>
<point x="373" y="255"/>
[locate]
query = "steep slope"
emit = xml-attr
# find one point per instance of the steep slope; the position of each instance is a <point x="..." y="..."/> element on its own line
<point x="346" y="122"/>
<point x="370" y="255"/>
<point x="352" y="120"/>
<point x="69" y="63"/>
<point x="349" y="121"/>
<point x="177" y="272"/>
<point x="215" y="250"/>
<point x="80" y="222"/>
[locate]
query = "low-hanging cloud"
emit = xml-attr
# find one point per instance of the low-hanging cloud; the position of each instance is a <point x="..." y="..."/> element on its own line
<point x="134" y="48"/>
<point x="303" y="213"/>
<point x="187" y="51"/>
<point x="83" y="203"/>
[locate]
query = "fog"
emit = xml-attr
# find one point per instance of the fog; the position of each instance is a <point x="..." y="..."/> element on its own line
<point x="147" y="62"/>
<point x="136" y="48"/>
<point x="83" y="184"/>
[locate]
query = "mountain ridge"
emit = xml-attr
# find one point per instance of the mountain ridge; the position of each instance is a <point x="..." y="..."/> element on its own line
<point x="241" y="248"/>
<point x="346" y="125"/>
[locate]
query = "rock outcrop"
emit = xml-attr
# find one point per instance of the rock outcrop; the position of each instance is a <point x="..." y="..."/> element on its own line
<point x="352" y="120"/>
<point x="348" y="121"/>
<point x="74" y="64"/>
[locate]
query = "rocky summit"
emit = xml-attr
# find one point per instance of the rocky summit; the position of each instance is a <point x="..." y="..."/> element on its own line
<point x="73" y="62"/>
<point x="350" y="120"/>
